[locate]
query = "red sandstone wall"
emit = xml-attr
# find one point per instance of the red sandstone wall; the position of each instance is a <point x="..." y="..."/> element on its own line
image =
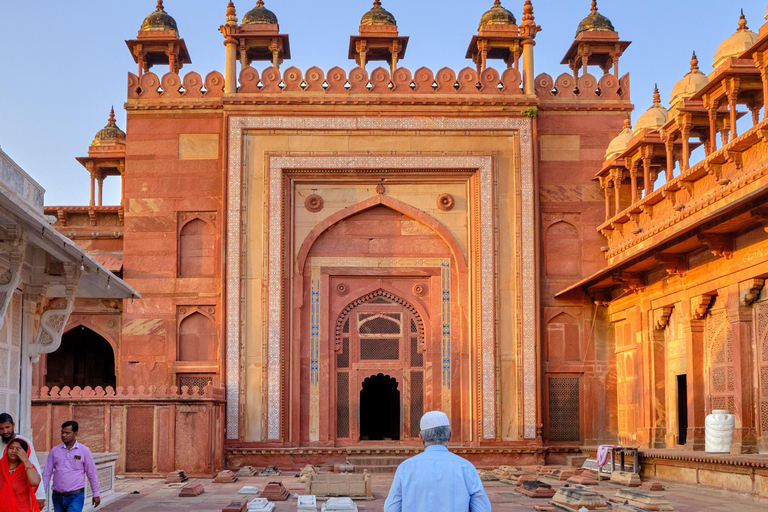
<point x="164" y="184"/>
<point x="572" y="149"/>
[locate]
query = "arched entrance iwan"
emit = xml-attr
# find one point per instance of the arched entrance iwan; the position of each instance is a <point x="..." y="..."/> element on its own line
<point x="84" y="358"/>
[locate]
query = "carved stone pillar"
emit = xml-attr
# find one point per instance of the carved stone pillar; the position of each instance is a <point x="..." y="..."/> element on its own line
<point x="32" y="299"/>
<point x="732" y="93"/>
<point x="606" y="184"/>
<point x="656" y="370"/>
<point x="633" y="182"/>
<point x="740" y="316"/>
<point x="617" y="176"/>
<point x="693" y="330"/>
<point x="230" y="42"/>
<point x="669" y="146"/>
<point x="712" y="111"/>
<point x="686" y="157"/>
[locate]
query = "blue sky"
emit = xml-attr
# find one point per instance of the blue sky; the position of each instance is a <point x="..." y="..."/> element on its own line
<point x="63" y="64"/>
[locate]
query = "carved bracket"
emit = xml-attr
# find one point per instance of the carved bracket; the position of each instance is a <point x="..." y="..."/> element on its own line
<point x="661" y="318"/>
<point x="761" y="215"/>
<point x="629" y="281"/>
<point x="55" y="315"/>
<point x="751" y="290"/>
<point x="715" y="170"/>
<point x="674" y="264"/>
<point x="700" y="306"/>
<point x="736" y="158"/>
<point x="16" y="245"/>
<point x="718" y="244"/>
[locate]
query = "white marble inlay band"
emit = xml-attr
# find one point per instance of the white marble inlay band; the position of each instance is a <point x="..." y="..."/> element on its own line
<point x="484" y="165"/>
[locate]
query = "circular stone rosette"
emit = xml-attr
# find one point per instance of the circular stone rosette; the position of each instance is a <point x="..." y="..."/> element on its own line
<point x="342" y="289"/>
<point x="420" y="290"/>
<point x="314" y="203"/>
<point x="446" y="202"/>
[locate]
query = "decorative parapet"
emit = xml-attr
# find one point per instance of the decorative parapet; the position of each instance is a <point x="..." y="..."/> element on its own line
<point x="721" y="178"/>
<point x="586" y="88"/>
<point x="67" y="394"/>
<point x="315" y="84"/>
<point x="18" y="184"/>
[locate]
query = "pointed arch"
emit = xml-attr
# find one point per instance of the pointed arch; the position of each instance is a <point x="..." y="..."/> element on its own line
<point x="394" y="204"/>
<point x="83" y="322"/>
<point x="367" y="296"/>
<point x="562" y="249"/>
<point x="84" y="358"/>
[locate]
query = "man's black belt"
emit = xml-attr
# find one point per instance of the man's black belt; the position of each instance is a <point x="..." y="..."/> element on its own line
<point x="69" y="493"/>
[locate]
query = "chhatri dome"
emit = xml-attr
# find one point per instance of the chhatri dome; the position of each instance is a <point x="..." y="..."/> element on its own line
<point x="260" y="15"/>
<point x="690" y="84"/>
<point x="620" y="143"/>
<point x="159" y="20"/>
<point x="653" y="118"/>
<point x="595" y="22"/>
<point x="378" y="16"/>
<point x="110" y="135"/>
<point x="497" y="15"/>
<point x="737" y="44"/>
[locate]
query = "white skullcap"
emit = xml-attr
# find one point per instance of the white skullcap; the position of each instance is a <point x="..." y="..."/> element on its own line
<point x="434" y="419"/>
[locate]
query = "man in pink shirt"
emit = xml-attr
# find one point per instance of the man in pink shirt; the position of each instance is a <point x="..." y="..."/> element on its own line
<point x="70" y="462"/>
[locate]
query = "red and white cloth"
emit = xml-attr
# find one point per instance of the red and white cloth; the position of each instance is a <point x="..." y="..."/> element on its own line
<point x="603" y="451"/>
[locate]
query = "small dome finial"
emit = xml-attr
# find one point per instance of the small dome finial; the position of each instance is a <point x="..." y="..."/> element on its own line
<point x="694" y="62"/>
<point x="594" y="6"/>
<point x="628" y="122"/>
<point x="231" y="13"/>
<point x="260" y="3"/>
<point x="112" y="116"/>
<point x="160" y="5"/>
<point x="742" y="22"/>
<point x="497" y="3"/>
<point x="656" y="95"/>
<point x="528" y="11"/>
<point x="377" y="3"/>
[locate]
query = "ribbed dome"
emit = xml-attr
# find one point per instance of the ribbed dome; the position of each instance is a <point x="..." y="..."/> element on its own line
<point x="497" y="15"/>
<point x="260" y="15"/>
<point x="159" y="20"/>
<point x="620" y="143"/>
<point x="110" y="135"/>
<point x="653" y="118"/>
<point x="736" y="44"/>
<point x="690" y="84"/>
<point x="595" y="22"/>
<point x="378" y="16"/>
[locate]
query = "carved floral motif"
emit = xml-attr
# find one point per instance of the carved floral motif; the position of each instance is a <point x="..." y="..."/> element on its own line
<point x="314" y="203"/>
<point x="446" y="202"/>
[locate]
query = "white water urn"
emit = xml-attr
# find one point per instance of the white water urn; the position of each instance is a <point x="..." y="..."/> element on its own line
<point x="718" y="431"/>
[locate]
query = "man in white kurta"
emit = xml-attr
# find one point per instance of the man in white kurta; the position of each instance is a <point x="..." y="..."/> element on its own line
<point x="436" y="480"/>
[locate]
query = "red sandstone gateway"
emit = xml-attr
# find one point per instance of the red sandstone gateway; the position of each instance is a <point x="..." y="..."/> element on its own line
<point x="356" y="250"/>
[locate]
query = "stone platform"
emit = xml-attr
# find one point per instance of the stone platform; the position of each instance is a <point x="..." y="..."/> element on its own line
<point x="155" y="496"/>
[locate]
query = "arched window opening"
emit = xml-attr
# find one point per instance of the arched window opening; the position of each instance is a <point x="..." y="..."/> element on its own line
<point x="563" y="339"/>
<point x="197" y="249"/>
<point x="197" y="338"/>
<point x="562" y="250"/>
<point x="84" y="358"/>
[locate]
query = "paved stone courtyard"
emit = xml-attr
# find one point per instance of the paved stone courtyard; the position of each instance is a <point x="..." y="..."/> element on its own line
<point x="148" y="495"/>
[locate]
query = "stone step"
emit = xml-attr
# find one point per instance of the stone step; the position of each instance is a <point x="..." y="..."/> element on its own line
<point x="376" y="461"/>
<point x="375" y="469"/>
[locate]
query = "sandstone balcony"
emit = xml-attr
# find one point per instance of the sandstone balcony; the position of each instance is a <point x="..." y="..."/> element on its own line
<point x="724" y="179"/>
